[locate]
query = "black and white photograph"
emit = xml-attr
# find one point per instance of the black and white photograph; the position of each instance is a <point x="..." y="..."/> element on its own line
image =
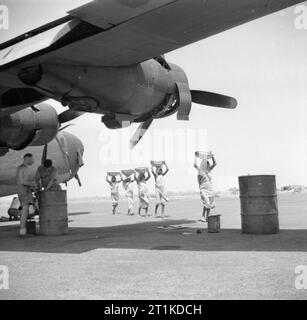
<point x="153" y="150"/>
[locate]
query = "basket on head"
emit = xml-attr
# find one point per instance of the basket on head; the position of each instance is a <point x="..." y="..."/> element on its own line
<point x="157" y="164"/>
<point x="141" y="169"/>
<point x="113" y="174"/>
<point x="205" y="155"/>
<point x="127" y="173"/>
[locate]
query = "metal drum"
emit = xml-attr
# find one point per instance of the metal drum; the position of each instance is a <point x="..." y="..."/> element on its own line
<point x="259" y="209"/>
<point x="53" y="216"/>
<point x="214" y="223"/>
<point x="31" y="227"/>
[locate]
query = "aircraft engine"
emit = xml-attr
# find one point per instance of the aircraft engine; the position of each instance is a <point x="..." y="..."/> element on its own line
<point x="178" y="99"/>
<point x="33" y="126"/>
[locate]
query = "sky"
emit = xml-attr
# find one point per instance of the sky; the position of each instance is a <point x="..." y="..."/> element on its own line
<point x="263" y="64"/>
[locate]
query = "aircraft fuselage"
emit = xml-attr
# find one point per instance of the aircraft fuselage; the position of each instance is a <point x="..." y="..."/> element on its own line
<point x="66" y="152"/>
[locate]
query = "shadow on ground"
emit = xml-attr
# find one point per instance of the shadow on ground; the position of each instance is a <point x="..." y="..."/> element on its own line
<point x="148" y="236"/>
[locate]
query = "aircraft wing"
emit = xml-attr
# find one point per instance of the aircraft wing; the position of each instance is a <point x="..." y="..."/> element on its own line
<point x="126" y="32"/>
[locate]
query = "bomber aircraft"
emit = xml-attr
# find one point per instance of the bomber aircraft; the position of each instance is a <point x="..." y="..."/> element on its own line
<point x="107" y="57"/>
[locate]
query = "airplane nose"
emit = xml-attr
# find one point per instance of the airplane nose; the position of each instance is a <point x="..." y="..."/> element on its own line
<point x="77" y="148"/>
<point x="80" y="152"/>
<point x="74" y="151"/>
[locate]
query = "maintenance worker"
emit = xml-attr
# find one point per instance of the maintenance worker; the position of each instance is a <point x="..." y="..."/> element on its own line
<point x="46" y="177"/>
<point x="25" y="187"/>
<point x="114" y="184"/>
<point x="205" y="182"/>
<point x="141" y="180"/>
<point x="161" y="195"/>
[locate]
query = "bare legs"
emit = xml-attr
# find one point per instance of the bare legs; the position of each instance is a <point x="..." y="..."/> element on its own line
<point x="114" y="208"/>
<point x="162" y="209"/>
<point x="156" y="209"/>
<point x="145" y="209"/>
<point x="130" y="205"/>
<point x="206" y="213"/>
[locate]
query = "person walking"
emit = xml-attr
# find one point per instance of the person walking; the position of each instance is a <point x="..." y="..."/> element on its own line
<point x="114" y="186"/>
<point x="141" y="179"/>
<point x="161" y="196"/>
<point x="129" y="192"/>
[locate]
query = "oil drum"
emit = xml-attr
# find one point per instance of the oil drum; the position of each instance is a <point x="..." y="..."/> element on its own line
<point x="259" y="208"/>
<point x="214" y="223"/>
<point x="53" y="215"/>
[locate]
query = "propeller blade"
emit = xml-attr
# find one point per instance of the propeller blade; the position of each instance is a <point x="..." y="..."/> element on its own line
<point x="44" y="155"/>
<point x="213" y="99"/>
<point x="65" y="127"/>
<point x="78" y="179"/>
<point x="69" y="115"/>
<point x="139" y="133"/>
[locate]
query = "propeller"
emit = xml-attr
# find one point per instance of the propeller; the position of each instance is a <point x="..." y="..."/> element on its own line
<point x="69" y="115"/>
<point x="44" y="155"/>
<point x="78" y="179"/>
<point x="65" y="127"/>
<point x="140" y="132"/>
<point x="199" y="97"/>
<point x="213" y="99"/>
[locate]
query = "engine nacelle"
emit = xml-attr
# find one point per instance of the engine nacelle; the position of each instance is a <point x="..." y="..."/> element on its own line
<point x="178" y="99"/>
<point x="33" y="126"/>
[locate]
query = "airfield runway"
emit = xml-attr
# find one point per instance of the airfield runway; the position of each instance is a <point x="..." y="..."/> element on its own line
<point x="122" y="257"/>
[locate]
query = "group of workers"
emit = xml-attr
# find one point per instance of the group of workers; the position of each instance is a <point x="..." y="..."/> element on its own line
<point x="46" y="178"/>
<point x="204" y="164"/>
<point x="140" y="176"/>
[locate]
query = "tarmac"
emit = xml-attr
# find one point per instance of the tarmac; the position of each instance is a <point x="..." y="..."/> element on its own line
<point x="120" y="257"/>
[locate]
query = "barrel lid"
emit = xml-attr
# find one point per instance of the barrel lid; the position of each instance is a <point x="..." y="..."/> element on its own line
<point x="257" y="176"/>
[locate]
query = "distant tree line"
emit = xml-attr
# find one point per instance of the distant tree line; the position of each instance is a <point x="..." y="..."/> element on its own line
<point x="294" y="188"/>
